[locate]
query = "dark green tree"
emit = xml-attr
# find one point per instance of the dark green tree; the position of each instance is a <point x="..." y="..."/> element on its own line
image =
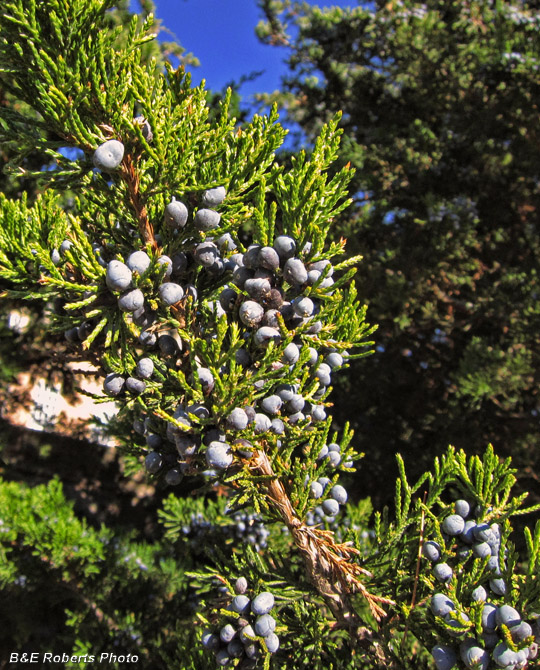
<point x="440" y="111"/>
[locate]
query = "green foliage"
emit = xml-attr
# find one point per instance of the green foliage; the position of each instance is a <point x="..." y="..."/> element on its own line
<point x="256" y="494"/>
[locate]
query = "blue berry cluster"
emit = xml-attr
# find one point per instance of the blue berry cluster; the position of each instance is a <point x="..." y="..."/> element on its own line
<point x="249" y="631"/>
<point x="489" y="634"/>
<point x="467" y="537"/>
<point x="244" y="527"/>
<point x="504" y="640"/>
<point x="273" y="288"/>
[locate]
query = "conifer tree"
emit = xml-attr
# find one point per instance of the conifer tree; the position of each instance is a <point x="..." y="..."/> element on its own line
<point x="198" y="276"/>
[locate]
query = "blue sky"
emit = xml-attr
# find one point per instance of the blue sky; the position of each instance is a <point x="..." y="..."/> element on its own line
<point x="221" y="34"/>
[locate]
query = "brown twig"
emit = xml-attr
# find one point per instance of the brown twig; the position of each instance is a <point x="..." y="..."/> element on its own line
<point x="131" y="177"/>
<point x="329" y="564"/>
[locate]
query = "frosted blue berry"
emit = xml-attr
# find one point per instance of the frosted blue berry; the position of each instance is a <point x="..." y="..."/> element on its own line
<point x="135" y="386"/>
<point x="247" y="632"/>
<point x="145" y="368"/>
<point x="278" y="427"/>
<point x="251" y="257"/>
<point x="520" y="631"/>
<point x="118" y="276"/>
<point x="264" y="335"/>
<point x="147" y="338"/>
<point x="176" y="214"/>
<point x="479" y="594"/>
<point x="295" y="404"/>
<point x="444" y="656"/>
<point x="153" y="462"/>
<point x="474" y="656"/>
<point x="483" y="532"/>
<point x="326" y="283"/>
<point x="167" y="262"/>
<point x="258" y="289"/>
<point x="113" y="384"/>
<point x="294" y="272"/>
<point x="263" y="603"/>
<point x="268" y="258"/>
<point x="226" y="243"/>
<point x="169" y="343"/>
<point x="219" y="455"/>
<point x="330" y="506"/>
<point x="334" y="360"/>
<point x="316" y="490"/>
<point x="323" y="453"/>
<point x="173" y="477"/>
<point x="320" y="266"/>
<point x="322" y="373"/>
<point x="109" y="155"/>
<point x="251" y="313"/>
<point x="498" y="586"/>
<point x="131" y="301"/>
<point x="431" y="550"/>
<point x="242" y="357"/>
<point x="334" y="457"/>
<point x="210" y="641"/>
<point x="241" y="275"/>
<point x="286" y="391"/>
<point x="213" y="197"/>
<point x="489" y="617"/>
<point x="154" y="441"/>
<point x="285" y="247"/>
<point x="453" y="524"/>
<point x="265" y="624"/>
<point x="55" y="257"/>
<point x="72" y="334"/>
<point x="272" y="643"/>
<point x="222" y="657"/>
<point x="240" y="604"/>
<point x="462" y="508"/>
<point x="339" y="494"/>
<point x="271" y="404"/>
<point x="504" y="657"/>
<point x="138" y="261"/>
<point x="441" y="605"/>
<point x="241" y="585"/>
<point x="313" y="277"/>
<point x="261" y="423"/>
<point x="467" y="534"/>
<point x="297" y="417"/>
<point x="237" y="419"/>
<point x="318" y="413"/>
<point x="442" y="572"/>
<point x="206" y="379"/>
<point x="508" y="616"/>
<point x="313" y="356"/>
<point x="227" y="299"/>
<point x="459" y="625"/>
<point x="303" y="307"/>
<point x="171" y="293"/>
<point x="199" y="410"/>
<point x="481" y="550"/>
<point x="206" y="219"/>
<point x="180" y="263"/>
<point x="291" y="354"/>
<point x="227" y="633"/>
<point x="65" y="246"/>
<point x="235" y="649"/>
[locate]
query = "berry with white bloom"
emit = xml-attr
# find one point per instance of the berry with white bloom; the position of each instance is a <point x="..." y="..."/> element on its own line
<point x="109" y="155"/>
